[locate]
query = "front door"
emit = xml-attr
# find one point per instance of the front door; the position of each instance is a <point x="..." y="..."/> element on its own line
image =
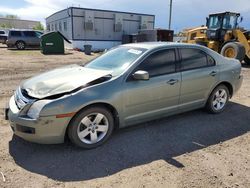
<point x="157" y="97"/>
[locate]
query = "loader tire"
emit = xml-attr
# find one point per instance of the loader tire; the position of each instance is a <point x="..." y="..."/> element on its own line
<point x="247" y="60"/>
<point x="234" y="50"/>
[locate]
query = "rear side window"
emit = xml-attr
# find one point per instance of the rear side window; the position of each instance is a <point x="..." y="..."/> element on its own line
<point x="16" y="33"/>
<point x="159" y="63"/>
<point x="210" y="61"/>
<point x="2" y="32"/>
<point x="195" y="58"/>
<point x="29" y="34"/>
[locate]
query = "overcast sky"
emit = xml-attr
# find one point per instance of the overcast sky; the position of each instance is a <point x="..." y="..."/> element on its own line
<point x="186" y="13"/>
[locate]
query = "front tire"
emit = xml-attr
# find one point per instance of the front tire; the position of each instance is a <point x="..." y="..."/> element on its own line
<point x="91" y="127"/>
<point x="234" y="50"/>
<point x="218" y="100"/>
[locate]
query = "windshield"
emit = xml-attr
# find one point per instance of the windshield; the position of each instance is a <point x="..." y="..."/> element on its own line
<point x="214" y="22"/>
<point x="229" y="22"/>
<point x="38" y="34"/>
<point x="117" y="59"/>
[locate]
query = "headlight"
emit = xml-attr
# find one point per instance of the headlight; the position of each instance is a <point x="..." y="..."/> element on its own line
<point x="36" y="108"/>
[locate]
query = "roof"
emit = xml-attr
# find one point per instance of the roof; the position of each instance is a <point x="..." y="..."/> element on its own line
<point x="238" y="14"/>
<point x="24" y="30"/>
<point x="101" y="10"/>
<point x="152" y="45"/>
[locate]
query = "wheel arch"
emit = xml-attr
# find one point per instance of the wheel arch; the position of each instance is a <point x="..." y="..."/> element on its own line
<point x="227" y="84"/>
<point x="20" y="41"/>
<point x="108" y="106"/>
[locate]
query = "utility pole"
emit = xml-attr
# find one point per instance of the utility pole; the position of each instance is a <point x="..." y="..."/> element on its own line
<point x="170" y="14"/>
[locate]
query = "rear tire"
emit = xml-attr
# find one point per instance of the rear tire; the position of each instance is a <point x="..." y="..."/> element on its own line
<point x="234" y="50"/>
<point x="247" y="60"/>
<point x="91" y="127"/>
<point x="218" y="100"/>
<point x="20" y="45"/>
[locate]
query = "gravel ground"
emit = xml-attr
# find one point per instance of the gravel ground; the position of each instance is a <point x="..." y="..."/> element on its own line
<point x="193" y="149"/>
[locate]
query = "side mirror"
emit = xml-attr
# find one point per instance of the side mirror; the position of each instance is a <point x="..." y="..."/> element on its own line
<point x="241" y="19"/>
<point x="141" y="75"/>
<point x="207" y="19"/>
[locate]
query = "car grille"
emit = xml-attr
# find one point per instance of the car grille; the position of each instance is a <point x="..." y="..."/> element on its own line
<point x="21" y="98"/>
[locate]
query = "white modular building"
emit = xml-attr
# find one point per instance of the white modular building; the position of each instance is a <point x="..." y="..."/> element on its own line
<point x="102" y="29"/>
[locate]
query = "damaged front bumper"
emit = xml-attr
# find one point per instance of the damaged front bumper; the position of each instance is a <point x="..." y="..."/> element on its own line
<point x="44" y="130"/>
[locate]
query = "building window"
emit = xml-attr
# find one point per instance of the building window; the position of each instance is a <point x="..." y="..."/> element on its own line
<point x="48" y="27"/>
<point x="65" y="26"/>
<point x="55" y="26"/>
<point x="52" y="27"/>
<point x="60" y="26"/>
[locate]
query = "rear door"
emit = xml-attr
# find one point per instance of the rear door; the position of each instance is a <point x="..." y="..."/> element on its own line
<point x="199" y="74"/>
<point x="14" y="36"/>
<point x="156" y="97"/>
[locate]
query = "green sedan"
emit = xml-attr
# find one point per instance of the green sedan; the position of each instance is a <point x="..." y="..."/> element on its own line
<point x="127" y="85"/>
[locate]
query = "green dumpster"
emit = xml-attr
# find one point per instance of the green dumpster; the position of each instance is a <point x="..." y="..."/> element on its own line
<point x="53" y="43"/>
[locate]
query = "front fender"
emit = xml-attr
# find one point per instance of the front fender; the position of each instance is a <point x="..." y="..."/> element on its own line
<point x="72" y="103"/>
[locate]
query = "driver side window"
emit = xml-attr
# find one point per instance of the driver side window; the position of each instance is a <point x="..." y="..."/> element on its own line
<point x="159" y="63"/>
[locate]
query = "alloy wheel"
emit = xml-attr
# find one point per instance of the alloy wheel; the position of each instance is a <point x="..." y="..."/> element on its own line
<point x="20" y="45"/>
<point x="93" y="128"/>
<point x="219" y="99"/>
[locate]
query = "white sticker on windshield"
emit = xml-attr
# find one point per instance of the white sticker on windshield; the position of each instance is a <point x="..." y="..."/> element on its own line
<point x="125" y="65"/>
<point x="133" y="51"/>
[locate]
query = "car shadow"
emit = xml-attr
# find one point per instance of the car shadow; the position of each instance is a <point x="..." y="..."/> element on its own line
<point x="66" y="53"/>
<point x="26" y="49"/>
<point x="130" y="147"/>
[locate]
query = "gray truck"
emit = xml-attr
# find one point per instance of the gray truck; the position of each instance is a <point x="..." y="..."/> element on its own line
<point x="21" y="39"/>
<point x="3" y="36"/>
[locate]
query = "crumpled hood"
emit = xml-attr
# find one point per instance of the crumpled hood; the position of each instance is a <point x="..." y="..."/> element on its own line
<point x="61" y="80"/>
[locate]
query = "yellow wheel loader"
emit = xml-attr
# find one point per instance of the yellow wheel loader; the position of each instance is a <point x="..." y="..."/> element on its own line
<point x="223" y="36"/>
<point x="194" y="33"/>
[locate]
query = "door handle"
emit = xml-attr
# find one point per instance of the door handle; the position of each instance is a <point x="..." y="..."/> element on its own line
<point x="213" y="73"/>
<point x="172" y="81"/>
